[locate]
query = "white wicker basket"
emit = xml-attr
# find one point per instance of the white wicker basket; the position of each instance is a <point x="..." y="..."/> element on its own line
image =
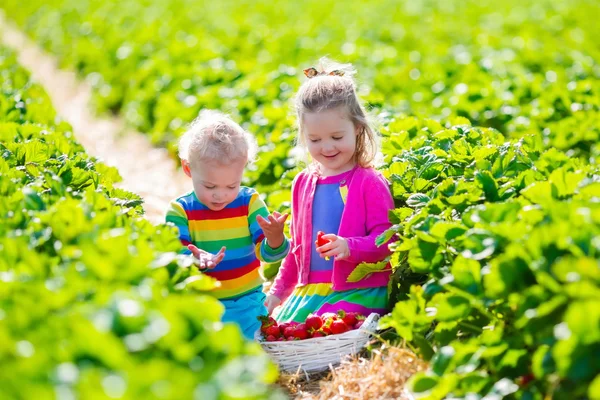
<point x="316" y="354"/>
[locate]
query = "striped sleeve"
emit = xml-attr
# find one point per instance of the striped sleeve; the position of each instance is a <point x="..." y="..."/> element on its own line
<point x="177" y="216"/>
<point x="265" y="253"/>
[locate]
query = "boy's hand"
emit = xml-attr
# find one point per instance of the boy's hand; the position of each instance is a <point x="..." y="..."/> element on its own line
<point x="273" y="228"/>
<point x="337" y="247"/>
<point x="271" y="302"/>
<point x="207" y="260"/>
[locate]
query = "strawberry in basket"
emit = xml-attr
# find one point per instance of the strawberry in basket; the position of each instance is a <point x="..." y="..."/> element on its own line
<point x="314" y="326"/>
<point x="351" y="319"/>
<point x="269" y="328"/>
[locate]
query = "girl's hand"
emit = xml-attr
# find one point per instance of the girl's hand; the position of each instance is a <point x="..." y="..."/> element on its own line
<point x="207" y="260"/>
<point x="273" y="228"/>
<point x="337" y="247"/>
<point x="271" y="302"/>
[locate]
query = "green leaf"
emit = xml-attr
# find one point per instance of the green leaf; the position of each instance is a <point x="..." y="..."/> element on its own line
<point x="488" y="184"/>
<point x="467" y="274"/>
<point x="594" y="389"/>
<point x="364" y="270"/>
<point x="450" y="307"/>
<point x="386" y="235"/>
<point x="421" y="383"/>
<point x="398" y="215"/>
<point x="200" y="283"/>
<point x="564" y="183"/>
<point x="542" y="363"/>
<point x="423" y="257"/>
<point x="442" y="359"/>
<point x="417" y="200"/>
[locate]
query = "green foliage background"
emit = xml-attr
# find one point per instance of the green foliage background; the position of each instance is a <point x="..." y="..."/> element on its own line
<point x="489" y="113"/>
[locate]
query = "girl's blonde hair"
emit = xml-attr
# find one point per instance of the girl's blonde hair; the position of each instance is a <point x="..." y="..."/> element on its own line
<point x="333" y="87"/>
<point x="213" y="136"/>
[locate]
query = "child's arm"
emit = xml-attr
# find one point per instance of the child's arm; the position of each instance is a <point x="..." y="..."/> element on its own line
<point x="257" y="210"/>
<point x="176" y="215"/>
<point x="378" y="201"/>
<point x="287" y="277"/>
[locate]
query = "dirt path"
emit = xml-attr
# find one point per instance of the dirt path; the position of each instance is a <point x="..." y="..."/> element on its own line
<point x="148" y="171"/>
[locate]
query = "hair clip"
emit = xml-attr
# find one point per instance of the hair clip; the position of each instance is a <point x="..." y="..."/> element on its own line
<point x="312" y="72"/>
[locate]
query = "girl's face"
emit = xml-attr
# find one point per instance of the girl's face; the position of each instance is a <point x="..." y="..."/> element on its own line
<point x="215" y="184"/>
<point x="331" y="140"/>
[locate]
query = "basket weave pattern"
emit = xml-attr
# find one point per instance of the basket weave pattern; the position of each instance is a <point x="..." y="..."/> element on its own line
<point x="316" y="354"/>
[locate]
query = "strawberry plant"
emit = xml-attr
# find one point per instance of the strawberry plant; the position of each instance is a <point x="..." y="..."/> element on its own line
<point x="517" y="67"/>
<point x="94" y="300"/>
<point x="502" y="234"/>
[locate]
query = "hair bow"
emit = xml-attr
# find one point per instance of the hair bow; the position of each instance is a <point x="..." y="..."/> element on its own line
<point x="312" y="72"/>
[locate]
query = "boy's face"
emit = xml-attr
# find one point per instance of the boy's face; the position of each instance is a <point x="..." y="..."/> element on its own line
<point x="215" y="184"/>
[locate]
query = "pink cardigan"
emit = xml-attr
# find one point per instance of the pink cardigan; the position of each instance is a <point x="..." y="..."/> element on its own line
<point x="365" y="216"/>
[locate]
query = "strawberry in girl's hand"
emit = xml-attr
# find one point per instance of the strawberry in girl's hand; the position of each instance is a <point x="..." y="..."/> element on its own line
<point x="339" y="326"/>
<point x="314" y="322"/>
<point x="321" y="241"/>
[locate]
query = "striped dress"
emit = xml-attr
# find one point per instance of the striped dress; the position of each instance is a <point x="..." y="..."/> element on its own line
<point x="317" y="296"/>
<point x="236" y="228"/>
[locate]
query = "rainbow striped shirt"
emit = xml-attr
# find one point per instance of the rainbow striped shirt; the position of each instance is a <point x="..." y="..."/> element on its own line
<point x="234" y="227"/>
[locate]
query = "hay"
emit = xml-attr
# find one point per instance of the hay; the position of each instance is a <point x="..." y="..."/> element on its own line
<point x="382" y="376"/>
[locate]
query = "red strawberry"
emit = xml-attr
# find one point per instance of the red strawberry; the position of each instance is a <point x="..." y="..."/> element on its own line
<point x="339" y="326"/>
<point x="290" y="338"/>
<point x="284" y="325"/>
<point x="301" y="332"/>
<point x="289" y="331"/>
<point x="273" y="330"/>
<point x="271" y="338"/>
<point x="326" y="330"/>
<point x="314" y="322"/>
<point x="266" y="322"/>
<point x="329" y="315"/>
<point x="350" y="318"/>
<point x="525" y="379"/>
<point x="321" y="241"/>
<point x="359" y="324"/>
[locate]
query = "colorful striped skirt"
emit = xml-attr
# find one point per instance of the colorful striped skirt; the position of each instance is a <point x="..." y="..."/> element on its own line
<point x="319" y="298"/>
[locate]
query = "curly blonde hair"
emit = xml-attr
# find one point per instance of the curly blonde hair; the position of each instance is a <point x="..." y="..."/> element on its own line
<point x="214" y="136"/>
<point x="327" y="91"/>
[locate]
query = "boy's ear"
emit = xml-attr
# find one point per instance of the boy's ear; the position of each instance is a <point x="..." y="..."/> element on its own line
<point x="186" y="168"/>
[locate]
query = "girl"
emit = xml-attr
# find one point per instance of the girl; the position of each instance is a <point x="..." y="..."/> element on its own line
<point x="227" y="227"/>
<point x="340" y="194"/>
